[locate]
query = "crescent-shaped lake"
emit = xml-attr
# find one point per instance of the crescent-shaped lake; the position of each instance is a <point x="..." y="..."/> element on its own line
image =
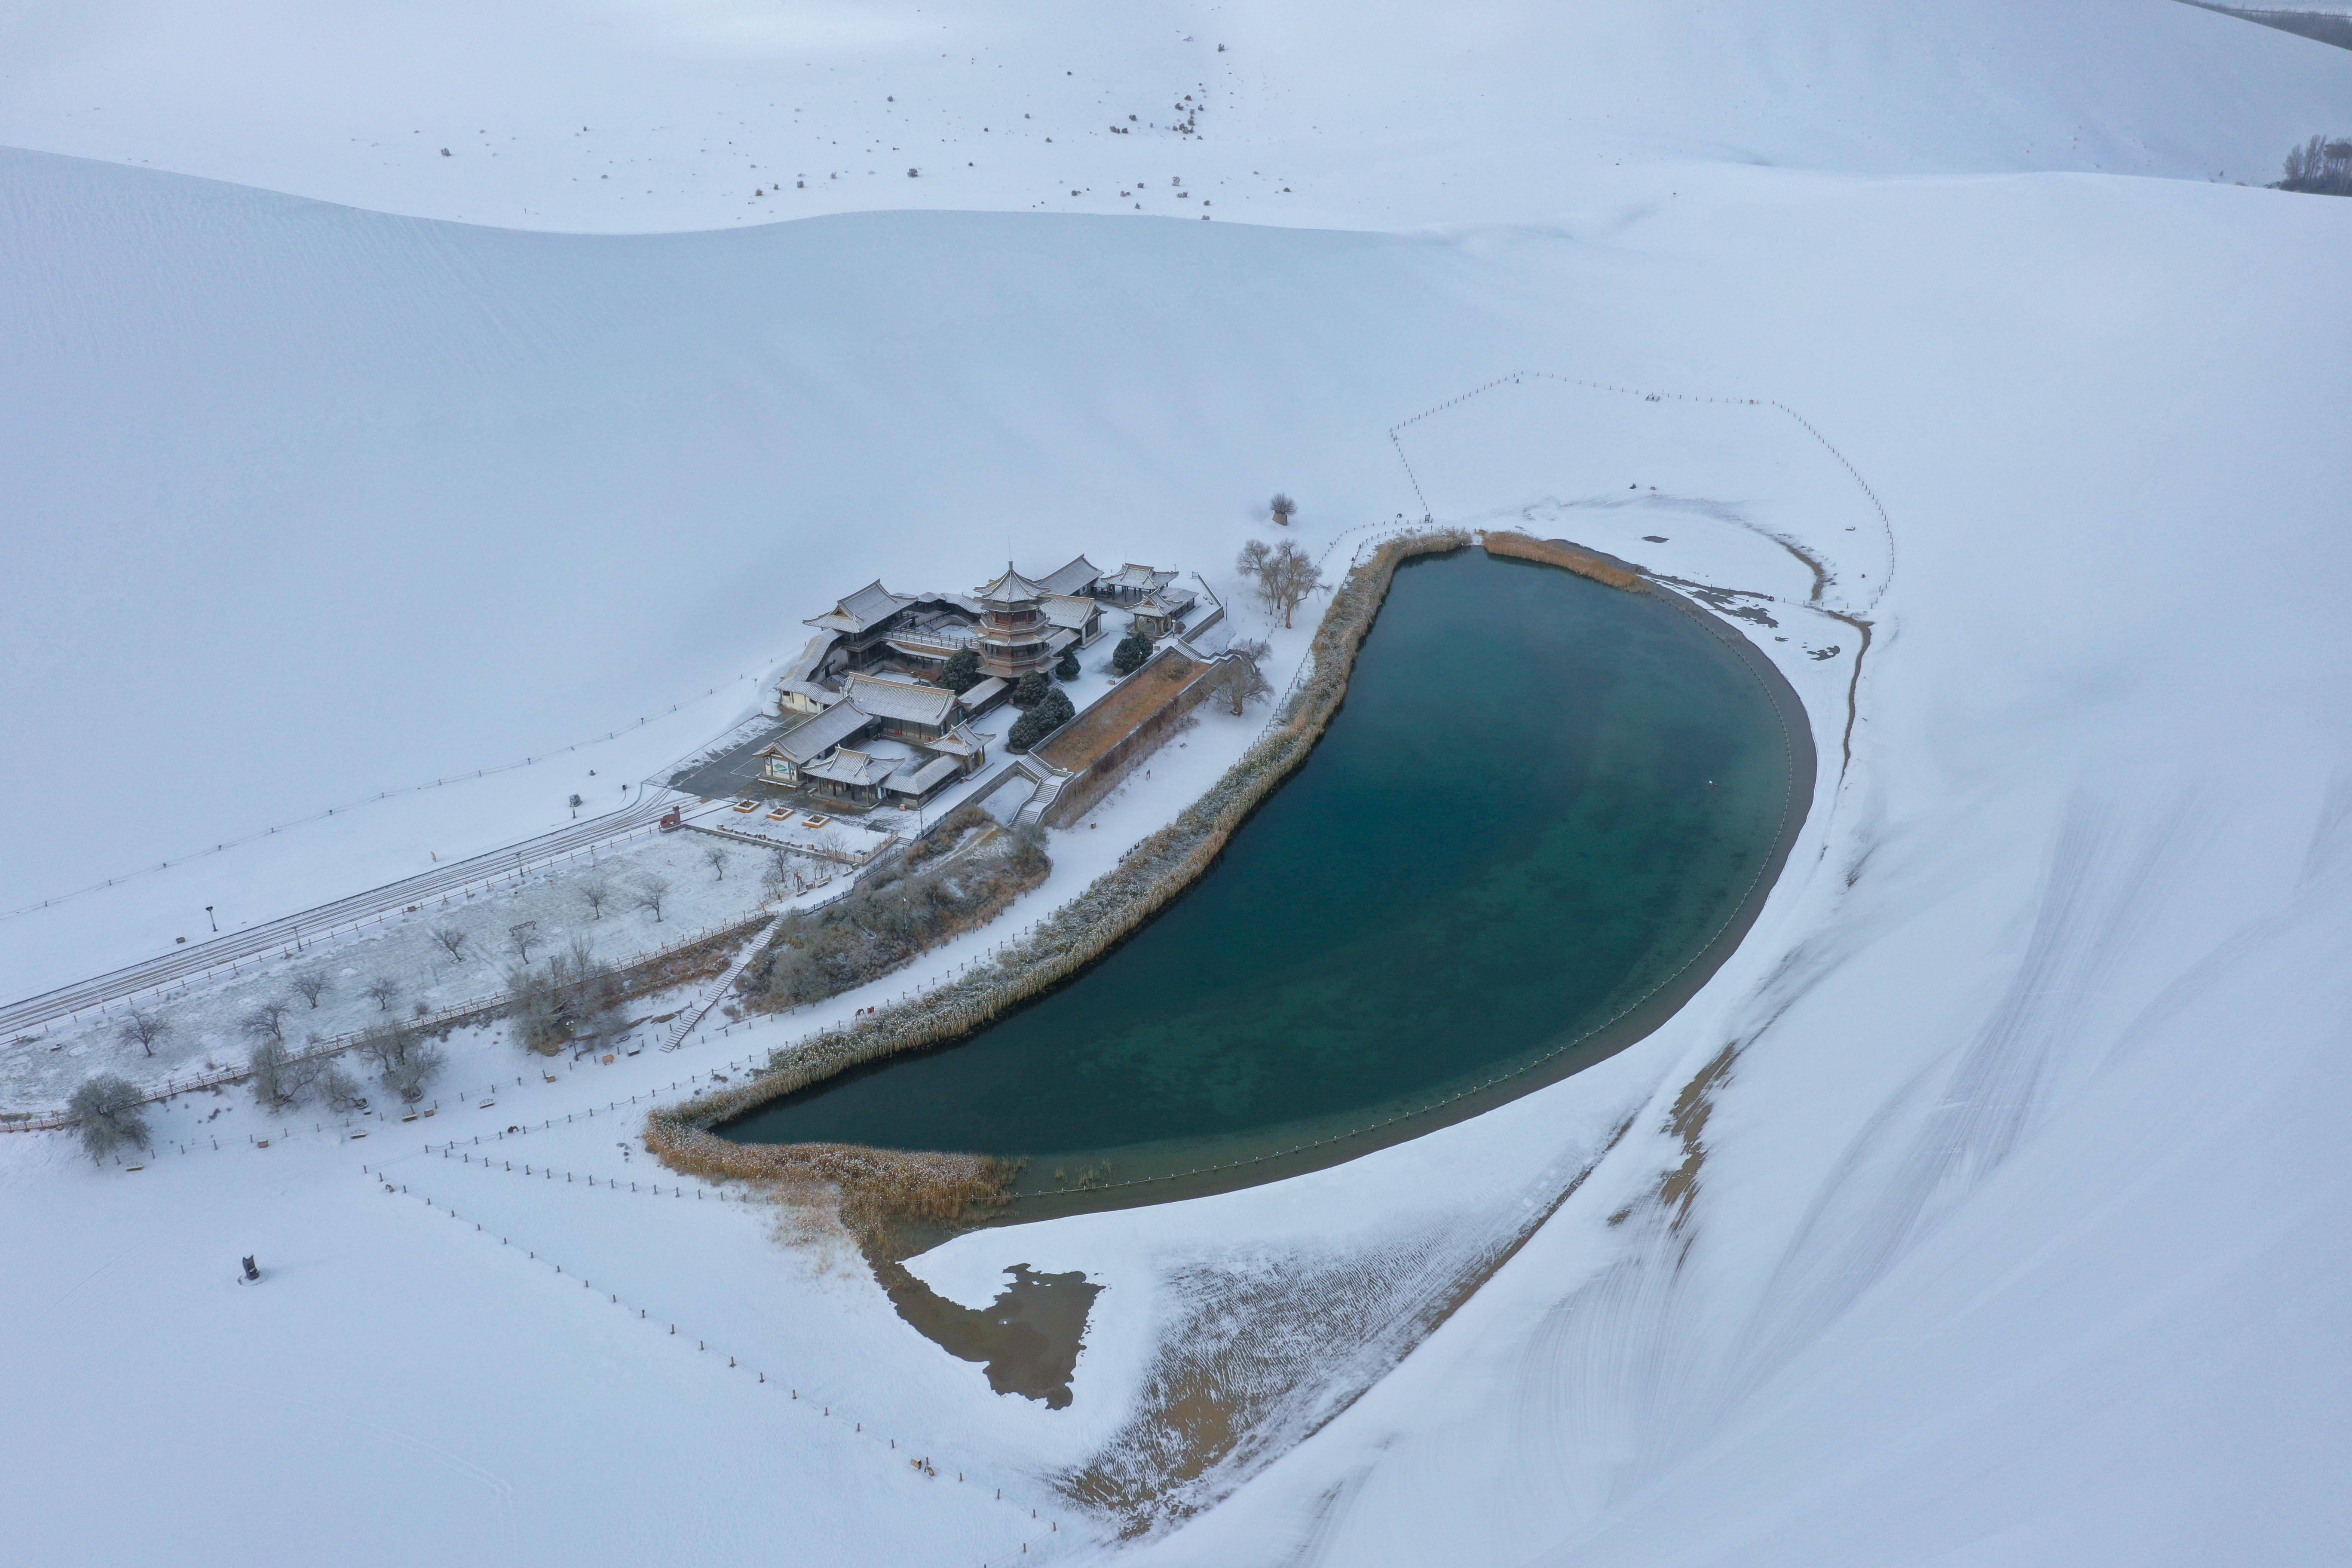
<point x="1547" y="811"/>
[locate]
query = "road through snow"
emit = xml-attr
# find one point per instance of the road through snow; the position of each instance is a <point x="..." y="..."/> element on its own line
<point x="232" y="948"/>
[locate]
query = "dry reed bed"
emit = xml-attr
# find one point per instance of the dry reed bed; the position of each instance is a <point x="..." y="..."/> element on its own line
<point x="877" y="1183"/>
<point x="1525" y="547"/>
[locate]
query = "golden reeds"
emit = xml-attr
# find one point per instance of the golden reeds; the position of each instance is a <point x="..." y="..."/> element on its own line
<point x="1526" y="547"/>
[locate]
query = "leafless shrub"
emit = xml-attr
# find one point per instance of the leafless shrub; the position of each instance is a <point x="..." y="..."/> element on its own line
<point x="106" y="1111"/>
<point x="453" y="941"/>
<point x="596" y="892"/>
<point x="383" y="990"/>
<point x="145" y="1030"/>
<point x="900" y="909"/>
<point x="311" y="984"/>
<point x="1284" y="509"/>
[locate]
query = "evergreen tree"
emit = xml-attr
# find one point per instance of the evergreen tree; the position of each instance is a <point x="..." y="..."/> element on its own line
<point x="1132" y="650"/>
<point x="1041" y="721"/>
<point x="1029" y="689"/>
<point x="1067" y="669"/>
<point x="962" y="672"/>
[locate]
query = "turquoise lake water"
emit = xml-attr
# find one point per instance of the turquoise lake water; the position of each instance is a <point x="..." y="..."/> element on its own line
<point x="1543" y="799"/>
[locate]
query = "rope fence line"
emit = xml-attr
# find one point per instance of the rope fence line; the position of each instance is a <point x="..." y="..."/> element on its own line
<point x="369" y="800"/>
<point x="918" y="1462"/>
<point x="1885" y="523"/>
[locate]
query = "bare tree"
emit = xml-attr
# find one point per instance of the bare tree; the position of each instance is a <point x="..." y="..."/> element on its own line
<point x="596" y="892"/>
<point x="339" y="1089"/>
<point x="715" y="857"/>
<point x="278" y="1079"/>
<point x="106" y="1108"/>
<point x="312" y="984"/>
<point x="1285" y="574"/>
<point x="1284" y="509"/>
<point x="265" y="1020"/>
<point x="414" y="1071"/>
<point x="651" y="891"/>
<point x="387" y="1044"/>
<point x="452" y="940"/>
<point x="522" y="937"/>
<point x="144" y="1031"/>
<point x="383" y="990"/>
<point x="780" y="875"/>
<point x="1240" y="680"/>
<point x="404" y="1061"/>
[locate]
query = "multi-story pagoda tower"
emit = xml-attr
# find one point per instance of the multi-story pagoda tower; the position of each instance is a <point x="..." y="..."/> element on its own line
<point x="1014" y="636"/>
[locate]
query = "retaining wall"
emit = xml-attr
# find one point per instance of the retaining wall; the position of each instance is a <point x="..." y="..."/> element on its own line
<point x="1090" y="784"/>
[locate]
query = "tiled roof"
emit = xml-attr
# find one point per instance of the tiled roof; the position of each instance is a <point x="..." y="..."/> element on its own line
<point x="1140" y="579"/>
<point x="1166" y="602"/>
<point x="984" y="692"/>
<point x="848" y="767"/>
<point x="902" y="699"/>
<point x="867" y="607"/>
<point x="806" y="743"/>
<point x="1009" y="588"/>
<point x="1075" y="578"/>
<point x="913" y="780"/>
<point x="1067" y="610"/>
<point x="960" y="742"/>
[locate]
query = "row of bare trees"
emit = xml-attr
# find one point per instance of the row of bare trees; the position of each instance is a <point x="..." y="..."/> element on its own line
<point x="404" y="1061"/>
<point x="2320" y="166"/>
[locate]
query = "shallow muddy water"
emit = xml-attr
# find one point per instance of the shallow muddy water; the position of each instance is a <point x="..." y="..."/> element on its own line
<point x="1543" y="816"/>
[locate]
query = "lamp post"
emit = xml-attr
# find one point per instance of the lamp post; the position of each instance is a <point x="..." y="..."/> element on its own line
<point x="208" y="915"/>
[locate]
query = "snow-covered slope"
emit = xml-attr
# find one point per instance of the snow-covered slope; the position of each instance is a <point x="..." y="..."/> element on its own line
<point x="637" y="115"/>
<point x="2009" y="1230"/>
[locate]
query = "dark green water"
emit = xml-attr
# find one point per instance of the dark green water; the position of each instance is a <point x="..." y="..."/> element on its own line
<point x="1541" y="800"/>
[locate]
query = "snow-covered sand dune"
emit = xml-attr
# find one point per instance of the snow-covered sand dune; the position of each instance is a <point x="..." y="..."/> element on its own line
<point x="1984" y="1208"/>
<point x="631" y="116"/>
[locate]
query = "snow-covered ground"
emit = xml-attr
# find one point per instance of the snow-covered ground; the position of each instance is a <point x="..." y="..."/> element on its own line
<point x="2008" y="1230"/>
<point x="631" y="116"/>
<point x="440" y="956"/>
